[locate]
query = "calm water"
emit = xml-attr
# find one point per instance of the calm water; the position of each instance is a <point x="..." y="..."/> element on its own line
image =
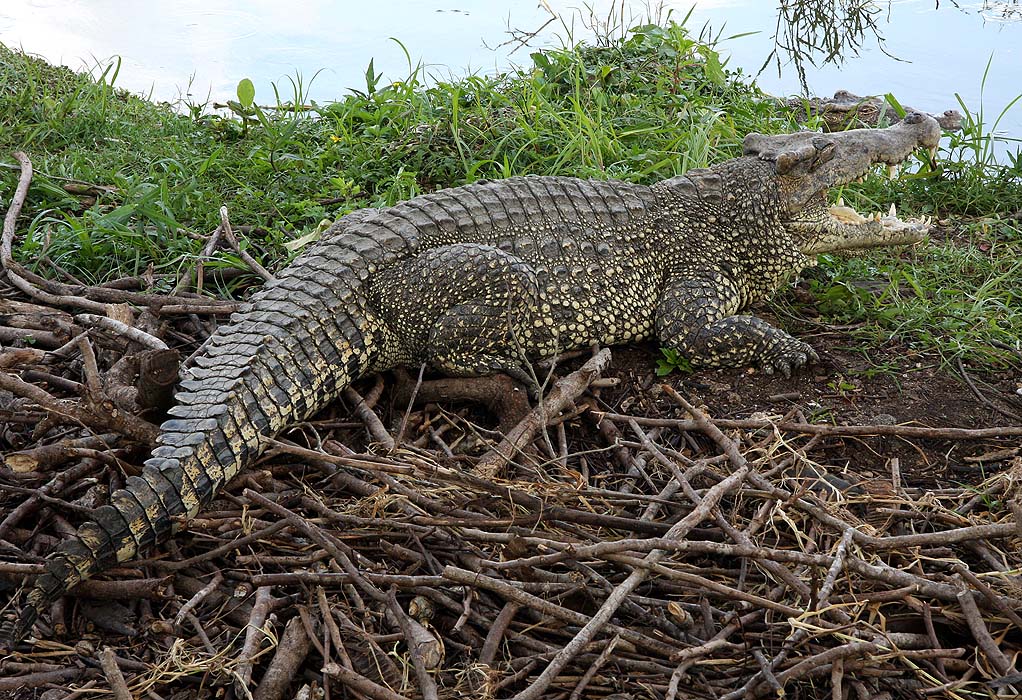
<point x="201" y="48"/>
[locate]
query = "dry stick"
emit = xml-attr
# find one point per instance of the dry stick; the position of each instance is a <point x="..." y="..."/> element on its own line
<point x="411" y="404"/>
<point x="199" y="596"/>
<point x="496" y="633"/>
<point x="415" y="647"/>
<point x="209" y="306"/>
<point x="309" y="625"/>
<point x="123" y="329"/>
<point x="465" y="613"/>
<point x="232" y="241"/>
<point x="290" y="655"/>
<point x="797" y="636"/>
<point x="819" y="661"/>
<point x="381" y="662"/>
<point x="38" y="338"/>
<point x="317" y="535"/>
<point x="22" y="462"/>
<point x="678" y="531"/>
<point x="931" y="633"/>
<point x="688" y="657"/>
<point x="336" y="578"/>
<point x="989" y="594"/>
<point x="45" y="457"/>
<point x="37" y="680"/>
<point x="207" y="250"/>
<point x="984" y="496"/>
<point x="838" y="430"/>
<point x="517" y="595"/>
<point x="372" y="397"/>
<point x="199" y="630"/>
<point x="16" y="357"/>
<point x="331" y="633"/>
<point x="361" y="684"/>
<point x="90" y="368"/>
<point x="837" y="674"/>
<point x="594" y="668"/>
<point x="767" y="673"/>
<point x="560" y="397"/>
<point x="981" y="634"/>
<point x="254" y="634"/>
<point x="612" y="437"/>
<point x="271" y="529"/>
<point x="981" y="396"/>
<point x="119" y="421"/>
<point x="237" y="611"/>
<point x="108" y="660"/>
<point x="125" y="589"/>
<point x="369" y="419"/>
<point x="13" y="567"/>
<point x="371" y="463"/>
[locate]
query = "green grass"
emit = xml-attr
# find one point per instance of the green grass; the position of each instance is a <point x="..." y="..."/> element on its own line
<point x="960" y="297"/>
<point x="641" y="106"/>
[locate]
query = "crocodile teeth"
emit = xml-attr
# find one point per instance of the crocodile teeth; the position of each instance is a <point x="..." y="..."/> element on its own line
<point x="892" y="172"/>
<point x="846" y="215"/>
<point x="840" y="201"/>
<point x="893" y="212"/>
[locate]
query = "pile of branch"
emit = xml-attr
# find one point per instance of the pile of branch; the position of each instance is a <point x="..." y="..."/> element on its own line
<point x="677" y="561"/>
<point x="429" y="548"/>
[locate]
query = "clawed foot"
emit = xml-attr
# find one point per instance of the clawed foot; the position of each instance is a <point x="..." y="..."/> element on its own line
<point x="787" y="355"/>
<point x="527" y="380"/>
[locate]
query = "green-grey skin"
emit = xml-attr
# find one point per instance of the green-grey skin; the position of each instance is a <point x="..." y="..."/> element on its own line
<point x="484" y="278"/>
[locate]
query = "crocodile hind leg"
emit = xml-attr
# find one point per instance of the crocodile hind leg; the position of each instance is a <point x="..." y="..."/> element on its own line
<point x="466" y="309"/>
<point x="697" y="316"/>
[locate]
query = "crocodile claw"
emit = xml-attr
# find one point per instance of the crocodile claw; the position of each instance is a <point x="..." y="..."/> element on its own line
<point x="789" y="356"/>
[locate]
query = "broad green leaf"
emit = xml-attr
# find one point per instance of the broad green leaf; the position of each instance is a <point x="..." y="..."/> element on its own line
<point x="246" y="92"/>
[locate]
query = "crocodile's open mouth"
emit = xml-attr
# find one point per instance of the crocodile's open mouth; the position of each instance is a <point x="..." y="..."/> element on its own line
<point x="843" y="214"/>
<point x="823" y="227"/>
<point x="840" y="213"/>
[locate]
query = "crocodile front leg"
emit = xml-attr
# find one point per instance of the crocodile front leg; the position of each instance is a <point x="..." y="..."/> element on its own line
<point x="697" y="316"/>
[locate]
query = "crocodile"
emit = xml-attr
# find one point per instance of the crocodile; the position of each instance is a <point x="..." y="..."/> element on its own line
<point x="486" y="278"/>
<point x="846" y="110"/>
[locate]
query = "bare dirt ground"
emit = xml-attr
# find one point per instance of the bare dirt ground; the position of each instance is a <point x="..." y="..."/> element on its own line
<point x="842" y="389"/>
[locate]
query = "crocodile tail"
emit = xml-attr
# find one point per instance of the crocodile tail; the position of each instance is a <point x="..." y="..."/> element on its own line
<point x="297" y="345"/>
